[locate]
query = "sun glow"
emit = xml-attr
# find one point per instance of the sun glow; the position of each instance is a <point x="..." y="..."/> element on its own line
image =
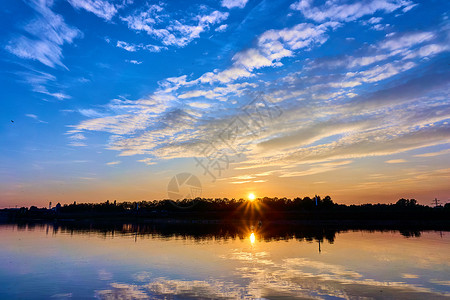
<point x="251" y="197"/>
<point x="252" y="238"/>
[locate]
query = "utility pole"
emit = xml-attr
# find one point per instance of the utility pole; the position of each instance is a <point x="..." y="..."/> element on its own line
<point x="436" y="202"/>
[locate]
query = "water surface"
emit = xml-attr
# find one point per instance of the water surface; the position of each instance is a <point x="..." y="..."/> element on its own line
<point x="126" y="261"/>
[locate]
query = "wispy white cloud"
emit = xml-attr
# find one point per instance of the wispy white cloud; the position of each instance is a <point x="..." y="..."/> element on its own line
<point x="395" y="43"/>
<point x="112" y="163"/>
<point x="272" y="46"/>
<point x="46" y="34"/>
<point x="234" y="3"/>
<point x="101" y="8"/>
<point x="381" y="72"/>
<point x="134" y="62"/>
<point x="90" y="113"/>
<point x="346" y="10"/>
<point x="169" y="31"/>
<point x="135" y="47"/>
<point x="201" y="105"/>
<point x="36" y="118"/>
<point x="427" y="51"/>
<point x="43" y="83"/>
<point x="77" y="137"/>
<point x="221" y="28"/>
<point x="77" y="144"/>
<point x="126" y="46"/>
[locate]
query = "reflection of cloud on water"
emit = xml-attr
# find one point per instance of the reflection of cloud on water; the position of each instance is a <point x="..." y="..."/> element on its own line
<point x="440" y="282"/>
<point x="258" y="276"/>
<point x="122" y="291"/>
<point x="62" y="296"/>
<point x="243" y="255"/>
<point x="320" y="268"/>
<point x="260" y="257"/>
<point x="410" y="276"/>
<point x="142" y="276"/>
<point x="161" y="288"/>
<point x="197" y="289"/>
<point x="104" y="275"/>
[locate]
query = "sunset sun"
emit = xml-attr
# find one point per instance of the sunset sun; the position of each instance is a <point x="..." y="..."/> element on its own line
<point x="251" y="197"/>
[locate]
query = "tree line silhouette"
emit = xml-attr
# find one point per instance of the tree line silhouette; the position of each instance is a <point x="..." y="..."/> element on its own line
<point x="261" y="208"/>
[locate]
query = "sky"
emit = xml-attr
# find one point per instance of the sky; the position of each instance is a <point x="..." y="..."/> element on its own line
<point x="110" y="100"/>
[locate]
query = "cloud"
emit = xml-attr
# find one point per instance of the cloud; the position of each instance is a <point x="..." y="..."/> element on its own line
<point x="77" y="137"/>
<point x="77" y="144"/>
<point x="374" y="20"/>
<point x="366" y="60"/>
<point x="427" y="51"/>
<point x="372" y="124"/>
<point x="36" y="118"/>
<point x="406" y="40"/>
<point x="243" y="177"/>
<point x="381" y="72"/>
<point x="45" y="36"/>
<point x="234" y="3"/>
<point x="395" y="161"/>
<point x="170" y="31"/>
<point x="201" y="105"/>
<point x="90" y="113"/>
<point x="341" y="11"/>
<point x="41" y="82"/>
<point x="221" y="28"/>
<point x="272" y="46"/>
<point x="361" y="145"/>
<point x="357" y="105"/>
<point x="310" y="134"/>
<point x="102" y="9"/>
<point x="135" y="47"/>
<point x="432" y="154"/>
<point x="134" y="62"/>
<point x="126" y="46"/>
<point x="241" y="182"/>
<point x="148" y="161"/>
<point x="317" y="169"/>
<point x="407" y="91"/>
<point x="396" y="46"/>
<point x="112" y="163"/>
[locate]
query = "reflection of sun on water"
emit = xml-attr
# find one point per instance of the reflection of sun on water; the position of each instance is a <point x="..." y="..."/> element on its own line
<point x="252" y="238"/>
<point x="251" y="197"/>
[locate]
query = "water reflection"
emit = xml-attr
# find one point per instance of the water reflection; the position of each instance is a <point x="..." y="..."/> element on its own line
<point x="207" y="231"/>
<point x="221" y="261"/>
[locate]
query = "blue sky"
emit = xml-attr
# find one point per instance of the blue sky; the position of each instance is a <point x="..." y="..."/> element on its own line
<point x="110" y="99"/>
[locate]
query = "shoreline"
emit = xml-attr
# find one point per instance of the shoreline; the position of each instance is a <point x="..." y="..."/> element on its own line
<point x="336" y="223"/>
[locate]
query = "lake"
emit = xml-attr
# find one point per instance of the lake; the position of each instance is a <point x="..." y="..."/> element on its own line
<point x="214" y="261"/>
